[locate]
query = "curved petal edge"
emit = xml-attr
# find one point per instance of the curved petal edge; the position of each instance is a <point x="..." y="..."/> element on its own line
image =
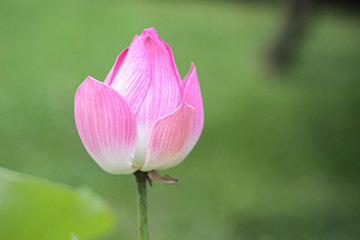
<point x="115" y="69"/>
<point x="169" y="137"/>
<point x="131" y="74"/>
<point x="192" y="96"/>
<point x="106" y="126"/>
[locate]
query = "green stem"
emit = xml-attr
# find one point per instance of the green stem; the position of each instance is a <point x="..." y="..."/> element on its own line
<point x="141" y="205"/>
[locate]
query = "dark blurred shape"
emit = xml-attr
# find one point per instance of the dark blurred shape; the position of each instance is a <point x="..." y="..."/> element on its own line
<point x="299" y="13"/>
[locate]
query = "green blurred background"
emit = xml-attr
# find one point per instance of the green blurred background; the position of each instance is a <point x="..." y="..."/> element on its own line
<point x="279" y="154"/>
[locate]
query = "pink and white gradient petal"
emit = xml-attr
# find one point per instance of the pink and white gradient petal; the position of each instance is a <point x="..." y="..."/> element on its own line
<point x="106" y="126"/>
<point x="192" y="96"/>
<point x="132" y="78"/>
<point x="163" y="95"/>
<point x="169" y="137"/>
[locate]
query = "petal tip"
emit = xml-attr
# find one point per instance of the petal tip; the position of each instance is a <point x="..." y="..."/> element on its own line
<point x="186" y="105"/>
<point x="88" y="80"/>
<point x="115" y="69"/>
<point x="150" y="32"/>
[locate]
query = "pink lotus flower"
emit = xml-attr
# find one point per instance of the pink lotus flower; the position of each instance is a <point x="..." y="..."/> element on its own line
<point x="143" y="117"/>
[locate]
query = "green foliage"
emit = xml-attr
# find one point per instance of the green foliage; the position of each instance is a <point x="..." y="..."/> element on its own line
<point x="36" y="209"/>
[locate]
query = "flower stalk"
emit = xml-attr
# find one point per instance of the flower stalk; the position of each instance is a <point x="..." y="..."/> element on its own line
<point x="141" y="178"/>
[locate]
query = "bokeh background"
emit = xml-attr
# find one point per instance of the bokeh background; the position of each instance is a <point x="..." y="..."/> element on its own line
<point x="279" y="154"/>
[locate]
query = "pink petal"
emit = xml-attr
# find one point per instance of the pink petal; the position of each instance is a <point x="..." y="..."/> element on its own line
<point x="132" y="74"/>
<point x="106" y="126"/>
<point x="150" y="32"/>
<point x="168" y="48"/>
<point x="169" y="137"/>
<point x="192" y="96"/>
<point x="115" y="69"/>
<point x="163" y="95"/>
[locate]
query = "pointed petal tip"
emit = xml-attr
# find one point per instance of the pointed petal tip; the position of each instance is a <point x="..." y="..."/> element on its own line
<point x="186" y="105"/>
<point x="150" y="32"/>
<point x="115" y="69"/>
<point x="88" y="80"/>
<point x="192" y="70"/>
<point x="119" y="61"/>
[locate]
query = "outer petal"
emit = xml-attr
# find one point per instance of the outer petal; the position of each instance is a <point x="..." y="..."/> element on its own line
<point x="163" y="95"/>
<point x="192" y="96"/>
<point x="169" y="137"/>
<point x="131" y="74"/>
<point x="106" y="126"/>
